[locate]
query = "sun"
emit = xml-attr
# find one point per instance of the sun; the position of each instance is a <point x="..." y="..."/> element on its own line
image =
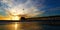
<point x="15" y="17"/>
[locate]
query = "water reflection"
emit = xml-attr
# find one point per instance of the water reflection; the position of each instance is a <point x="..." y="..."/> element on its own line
<point x="13" y="26"/>
<point x="19" y="26"/>
<point x="27" y="26"/>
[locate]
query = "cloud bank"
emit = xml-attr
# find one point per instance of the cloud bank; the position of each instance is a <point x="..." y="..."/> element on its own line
<point x="16" y="7"/>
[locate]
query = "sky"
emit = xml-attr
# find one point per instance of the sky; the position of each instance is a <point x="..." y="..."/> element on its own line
<point x="33" y="8"/>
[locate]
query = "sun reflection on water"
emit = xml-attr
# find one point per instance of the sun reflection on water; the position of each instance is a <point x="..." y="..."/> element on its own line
<point x="14" y="26"/>
<point x="20" y="26"/>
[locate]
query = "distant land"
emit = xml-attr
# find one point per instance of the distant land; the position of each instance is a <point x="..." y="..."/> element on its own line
<point x="57" y="17"/>
<point x="51" y="20"/>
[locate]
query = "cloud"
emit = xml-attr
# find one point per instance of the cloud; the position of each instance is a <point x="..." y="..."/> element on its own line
<point x="16" y="8"/>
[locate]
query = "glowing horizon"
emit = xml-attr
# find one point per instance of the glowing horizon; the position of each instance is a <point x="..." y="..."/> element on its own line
<point x="16" y="9"/>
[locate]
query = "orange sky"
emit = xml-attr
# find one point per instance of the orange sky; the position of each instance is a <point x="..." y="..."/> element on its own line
<point x="4" y="18"/>
<point x="9" y="18"/>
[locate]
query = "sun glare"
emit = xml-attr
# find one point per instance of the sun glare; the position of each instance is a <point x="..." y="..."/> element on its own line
<point x="15" y="18"/>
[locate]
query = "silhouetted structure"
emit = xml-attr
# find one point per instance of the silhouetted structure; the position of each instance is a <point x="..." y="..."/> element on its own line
<point x="22" y="19"/>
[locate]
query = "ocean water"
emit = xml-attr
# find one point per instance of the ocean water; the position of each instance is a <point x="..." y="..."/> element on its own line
<point x="27" y="26"/>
